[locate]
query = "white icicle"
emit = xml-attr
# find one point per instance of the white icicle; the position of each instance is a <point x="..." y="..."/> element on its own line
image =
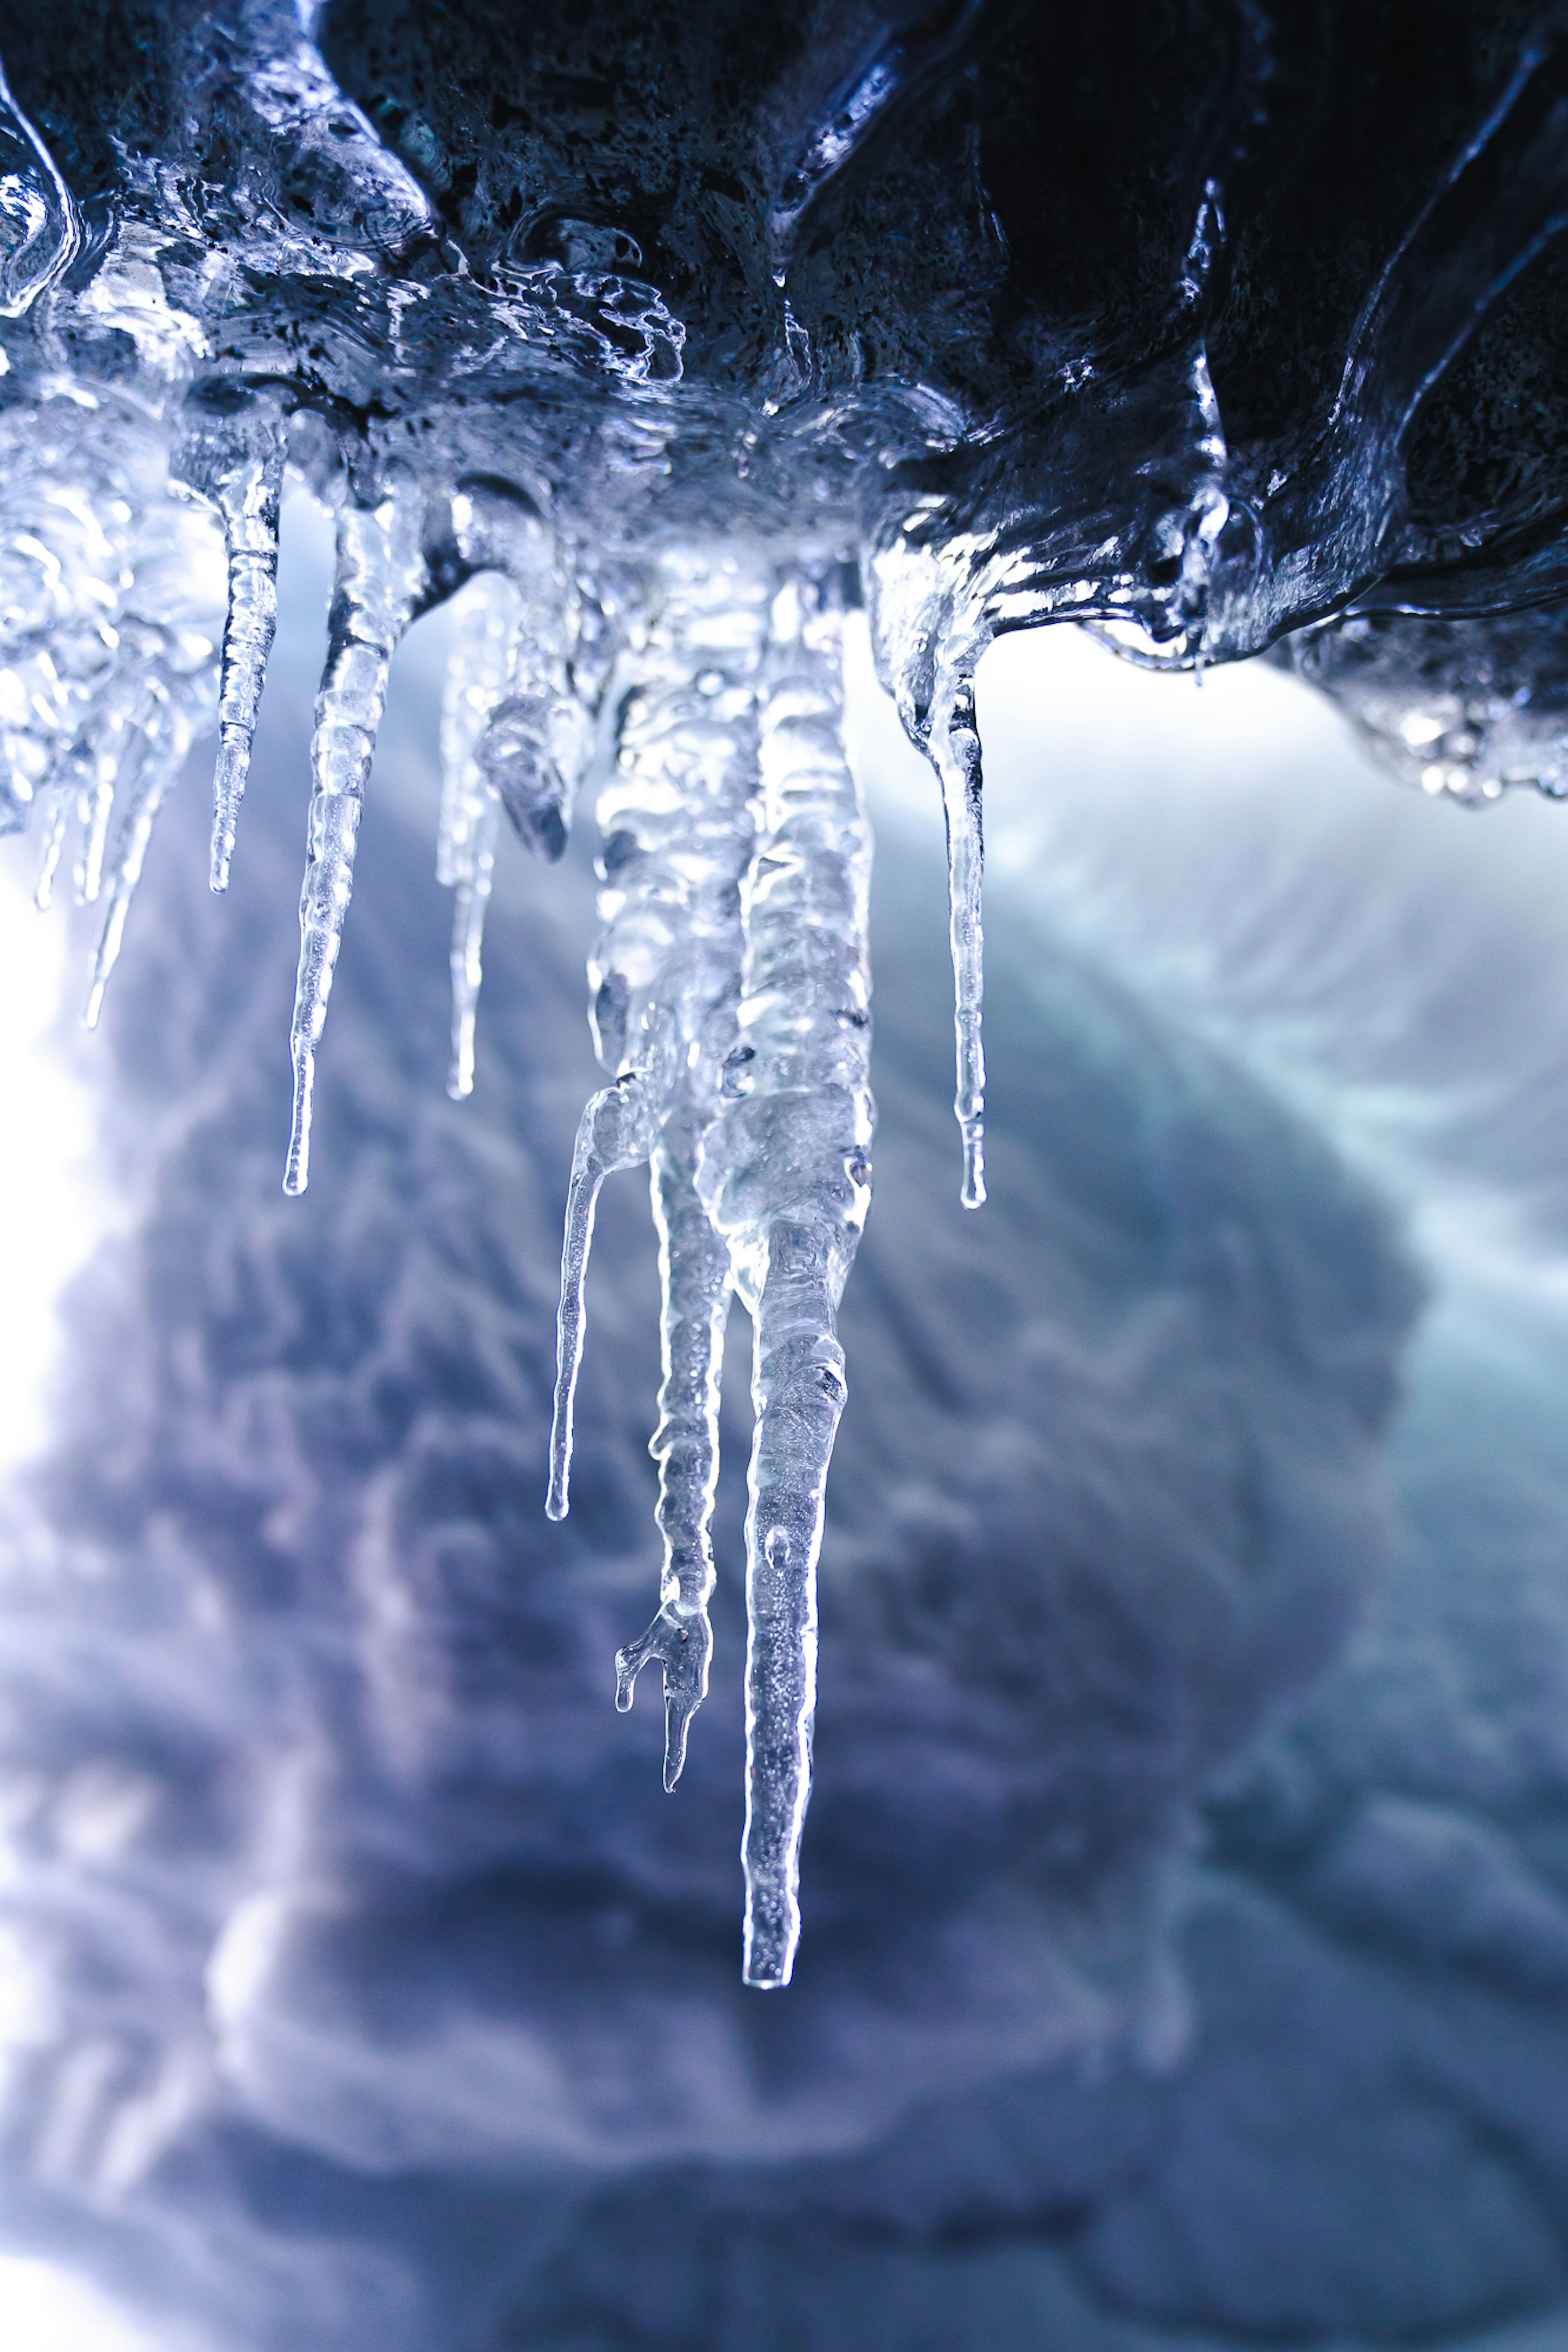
<point x="484" y="651"/>
<point x="247" y="494"/>
<point x="62" y="799"/>
<point x="166" y="740"/>
<point x="96" y="760"/>
<point x="786" y="1173"/>
<point x="378" y="578"/>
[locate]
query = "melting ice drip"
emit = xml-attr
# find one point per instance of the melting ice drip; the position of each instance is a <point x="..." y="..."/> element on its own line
<point x="664" y="614"/>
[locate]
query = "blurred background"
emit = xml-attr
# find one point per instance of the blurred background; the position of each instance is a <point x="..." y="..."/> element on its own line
<point x="1186" y="1882"/>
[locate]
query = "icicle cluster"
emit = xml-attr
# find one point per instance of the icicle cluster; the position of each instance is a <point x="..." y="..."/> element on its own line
<point x="649" y="523"/>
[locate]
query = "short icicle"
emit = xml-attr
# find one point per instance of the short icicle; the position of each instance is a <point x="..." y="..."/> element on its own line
<point x="380" y="577"/>
<point x="786" y="1177"/>
<point x="166" y="740"/>
<point x="248" y="492"/>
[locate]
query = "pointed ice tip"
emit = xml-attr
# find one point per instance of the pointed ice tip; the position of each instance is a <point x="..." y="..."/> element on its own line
<point x="556" y="1507"/>
<point x="677" y="1724"/>
<point x="93" y="1006"/>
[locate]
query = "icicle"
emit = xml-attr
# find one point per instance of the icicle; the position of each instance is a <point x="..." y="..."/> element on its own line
<point x="785" y="1174"/>
<point x="694" y="1288"/>
<point x="96" y="757"/>
<point x="60" y="803"/>
<point x="39" y="230"/>
<point x="953" y="749"/>
<point x="167" y="741"/>
<point x="484" y="651"/>
<point x="247" y="494"/>
<point x="616" y="1130"/>
<point x="380" y="575"/>
<point x="678" y="824"/>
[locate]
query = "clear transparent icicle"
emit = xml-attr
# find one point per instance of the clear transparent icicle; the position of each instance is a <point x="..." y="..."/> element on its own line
<point x="380" y="578"/>
<point x="167" y="737"/>
<point x="928" y="630"/>
<point x="952" y="746"/>
<point x="786" y="1173"/>
<point x="484" y="653"/>
<point x="677" y="821"/>
<point x="247" y="493"/>
<point x="694" y="1290"/>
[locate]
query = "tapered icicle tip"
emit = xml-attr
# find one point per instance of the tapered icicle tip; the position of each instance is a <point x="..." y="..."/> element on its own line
<point x="682" y="1644"/>
<point x="297" y="1167"/>
<point x="229" y="780"/>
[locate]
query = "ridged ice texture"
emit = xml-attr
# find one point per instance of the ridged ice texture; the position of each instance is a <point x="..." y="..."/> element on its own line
<point x="677" y="821"/>
<point x="381" y="575"/>
<point x="785" y="1174"/>
<point x="483" y="657"/>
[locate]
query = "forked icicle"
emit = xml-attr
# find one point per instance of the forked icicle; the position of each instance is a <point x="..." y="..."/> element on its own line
<point x="248" y="494"/>
<point x="379" y="579"/>
<point x="167" y="740"/>
<point x="616" y="1130"/>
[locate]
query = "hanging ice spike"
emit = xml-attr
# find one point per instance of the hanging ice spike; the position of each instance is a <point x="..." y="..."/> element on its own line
<point x="379" y="580"/>
<point x="247" y="493"/>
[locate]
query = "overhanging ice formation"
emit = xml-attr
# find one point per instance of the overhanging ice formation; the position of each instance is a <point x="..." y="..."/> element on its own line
<point x="659" y="337"/>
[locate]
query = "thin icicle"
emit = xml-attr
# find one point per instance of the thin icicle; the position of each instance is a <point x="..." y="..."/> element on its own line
<point x="96" y="759"/>
<point x="484" y="652"/>
<point x="786" y="1177"/>
<point x="380" y="576"/>
<point x="616" y="1130"/>
<point x="62" y="799"/>
<point x="247" y="494"/>
<point x="694" y="1288"/>
<point x="954" y="747"/>
<point x="167" y="739"/>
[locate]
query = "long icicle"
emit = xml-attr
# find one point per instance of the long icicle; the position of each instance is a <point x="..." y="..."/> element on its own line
<point x="679" y="822"/>
<point x="247" y="493"/>
<point x="380" y="577"/>
<point x="786" y="1176"/>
